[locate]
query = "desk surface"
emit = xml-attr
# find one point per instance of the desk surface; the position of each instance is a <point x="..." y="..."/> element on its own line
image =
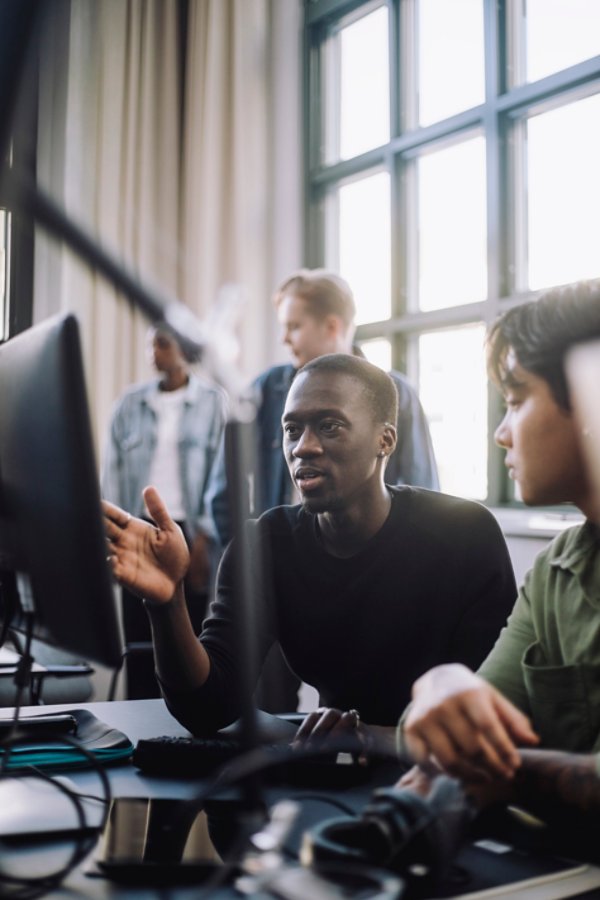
<point x="149" y="718"/>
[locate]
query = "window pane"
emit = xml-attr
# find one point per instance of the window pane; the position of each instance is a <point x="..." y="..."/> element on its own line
<point x="358" y="68"/>
<point x="452" y="226"/>
<point x="560" y="33"/>
<point x="364" y="244"/>
<point x="563" y="189"/>
<point x="378" y="352"/>
<point x="453" y="391"/>
<point x="451" y="67"/>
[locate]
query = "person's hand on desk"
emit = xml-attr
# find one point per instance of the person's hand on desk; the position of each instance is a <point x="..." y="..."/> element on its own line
<point x="150" y="560"/>
<point x="327" y="725"/>
<point x="464" y="725"/>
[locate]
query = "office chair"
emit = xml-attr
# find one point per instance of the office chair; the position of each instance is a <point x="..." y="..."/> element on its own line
<point x="57" y="676"/>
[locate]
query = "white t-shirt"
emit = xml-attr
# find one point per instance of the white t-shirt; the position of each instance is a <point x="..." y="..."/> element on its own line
<point x="164" y="470"/>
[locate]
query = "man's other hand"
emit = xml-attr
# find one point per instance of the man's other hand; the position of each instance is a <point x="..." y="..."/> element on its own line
<point x="328" y="725"/>
<point x="464" y="725"/>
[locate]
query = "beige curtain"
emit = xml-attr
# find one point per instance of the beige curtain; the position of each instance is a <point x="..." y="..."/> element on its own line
<point x="194" y="194"/>
<point x="242" y="115"/>
<point x="109" y="151"/>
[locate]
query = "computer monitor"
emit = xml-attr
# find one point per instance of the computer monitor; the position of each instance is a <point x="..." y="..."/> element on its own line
<point x="51" y="530"/>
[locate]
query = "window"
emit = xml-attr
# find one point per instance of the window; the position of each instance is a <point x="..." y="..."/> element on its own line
<point x="360" y="218"/>
<point x="449" y="223"/>
<point x="562" y="200"/>
<point x="452" y="172"/>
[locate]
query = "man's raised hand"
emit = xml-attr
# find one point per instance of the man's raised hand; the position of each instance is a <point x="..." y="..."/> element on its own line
<point x="149" y="560"/>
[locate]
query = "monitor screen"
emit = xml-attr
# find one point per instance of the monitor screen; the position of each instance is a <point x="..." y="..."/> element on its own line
<point x="51" y="529"/>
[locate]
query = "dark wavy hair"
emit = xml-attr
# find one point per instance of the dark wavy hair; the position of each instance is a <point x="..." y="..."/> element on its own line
<point x="377" y="385"/>
<point x="541" y="332"/>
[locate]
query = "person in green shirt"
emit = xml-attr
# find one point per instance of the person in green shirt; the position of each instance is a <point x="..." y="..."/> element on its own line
<point x="526" y="726"/>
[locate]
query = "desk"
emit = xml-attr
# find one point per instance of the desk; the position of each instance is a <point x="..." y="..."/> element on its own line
<point x="149" y="718"/>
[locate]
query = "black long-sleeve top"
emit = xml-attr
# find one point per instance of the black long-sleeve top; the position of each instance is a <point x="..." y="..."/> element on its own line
<point x="434" y="585"/>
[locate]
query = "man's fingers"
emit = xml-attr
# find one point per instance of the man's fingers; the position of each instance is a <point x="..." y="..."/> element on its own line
<point x="110" y="510"/>
<point x="323" y="722"/>
<point x="492" y="741"/>
<point x="332" y="722"/>
<point x="474" y="760"/>
<point x="516" y="723"/>
<point x="470" y="731"/>
<point x="115" y="515"/>
<point x="307" y="726"/>
<point x="418" y="747"/>
<point x="501" y="727"/>
<point x="157" y="509"/>
<point x="112" y="531"/>
<point x="324" y="725"/>
<point x="465" y="724"/>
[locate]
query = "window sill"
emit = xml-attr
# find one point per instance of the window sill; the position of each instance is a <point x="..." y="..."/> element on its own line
<point x="535" y="523"/>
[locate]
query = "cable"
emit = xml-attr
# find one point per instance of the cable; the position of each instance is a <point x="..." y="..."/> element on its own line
<point x="129" y="650"/>
<point x="32" y="887"/>
<point x="83" y="841"/>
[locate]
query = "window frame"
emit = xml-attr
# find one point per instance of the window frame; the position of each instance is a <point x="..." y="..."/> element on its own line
<point x="506" y="105"/>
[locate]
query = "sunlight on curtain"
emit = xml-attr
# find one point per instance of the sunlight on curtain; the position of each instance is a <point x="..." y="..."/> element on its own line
<point x="109" y="151"/>
<point x="191" y="194"/>
<point x="241" y="196"/>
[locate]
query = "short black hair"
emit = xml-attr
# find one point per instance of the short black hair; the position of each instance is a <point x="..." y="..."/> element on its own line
<point x="377" y="385"/>
<point x="542" y="331"/>
<point x="190" y="352"/>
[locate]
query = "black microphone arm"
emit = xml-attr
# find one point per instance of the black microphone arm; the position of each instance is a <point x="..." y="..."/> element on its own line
<point x="19" y="192"/>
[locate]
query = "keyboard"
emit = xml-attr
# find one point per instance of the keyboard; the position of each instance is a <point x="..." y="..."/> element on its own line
<point x="192" y="757"/>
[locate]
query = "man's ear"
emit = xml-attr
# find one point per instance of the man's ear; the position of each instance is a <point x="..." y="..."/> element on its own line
<point x="334" y="326"/>
<point x="388" y="439"/>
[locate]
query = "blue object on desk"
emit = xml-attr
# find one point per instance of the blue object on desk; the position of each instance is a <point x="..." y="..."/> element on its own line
<point x="108" y="745"/>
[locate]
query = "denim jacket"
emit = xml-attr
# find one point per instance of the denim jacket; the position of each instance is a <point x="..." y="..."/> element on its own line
<point x="132" y="439"/>
<point x="412" y="462"/>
